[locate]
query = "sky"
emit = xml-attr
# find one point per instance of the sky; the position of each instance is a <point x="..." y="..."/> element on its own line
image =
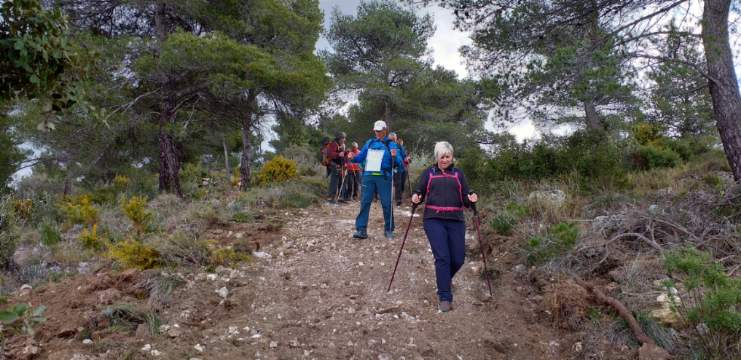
<point x="443" y="45"/>
<point x="447" y="40"/>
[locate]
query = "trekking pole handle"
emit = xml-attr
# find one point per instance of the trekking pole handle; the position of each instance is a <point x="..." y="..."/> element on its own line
<point x="473" y="205"/>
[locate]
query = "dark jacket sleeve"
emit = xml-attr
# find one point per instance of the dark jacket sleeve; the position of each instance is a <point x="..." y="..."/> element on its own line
<point x="422" y="183"/>
<point x="464" y="188"/>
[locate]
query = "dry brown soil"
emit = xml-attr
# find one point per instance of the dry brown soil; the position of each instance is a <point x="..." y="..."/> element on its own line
<point x="315" y="293"/>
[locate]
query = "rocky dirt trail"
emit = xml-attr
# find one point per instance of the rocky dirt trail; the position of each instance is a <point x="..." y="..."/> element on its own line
<point x="322" y="294"/>
<point x="311" y="292"/>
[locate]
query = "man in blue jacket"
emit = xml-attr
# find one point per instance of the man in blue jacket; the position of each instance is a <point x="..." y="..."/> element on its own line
<point x="380" y="155"/>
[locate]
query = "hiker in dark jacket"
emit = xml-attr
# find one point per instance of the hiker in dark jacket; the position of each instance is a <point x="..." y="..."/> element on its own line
<point x="445" y="192"/>
<point x="323" y="155"/>
<point x="336" y="156"/>
<point x="378" y="155"/>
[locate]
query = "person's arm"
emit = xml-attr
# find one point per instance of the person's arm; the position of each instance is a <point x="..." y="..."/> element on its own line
<point x="464" y="188"/>
<point x="398" y="159"/>
<point x="360" y="157"/>
<point x="421" y="190"/>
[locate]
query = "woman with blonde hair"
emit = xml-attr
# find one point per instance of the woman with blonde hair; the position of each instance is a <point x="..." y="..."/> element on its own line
<point x="445" y="192"/>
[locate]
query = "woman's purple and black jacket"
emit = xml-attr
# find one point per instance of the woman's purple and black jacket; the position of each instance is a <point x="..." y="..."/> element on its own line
<point x="445" y="193"/>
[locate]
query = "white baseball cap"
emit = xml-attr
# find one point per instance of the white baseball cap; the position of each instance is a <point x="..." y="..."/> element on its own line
<point x="379" y="125"/>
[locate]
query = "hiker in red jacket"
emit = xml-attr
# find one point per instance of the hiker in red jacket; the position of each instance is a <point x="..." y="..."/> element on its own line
<point x="445" y="192"/>
<point x="352" y="171"/>
<point x="336" y="156"/>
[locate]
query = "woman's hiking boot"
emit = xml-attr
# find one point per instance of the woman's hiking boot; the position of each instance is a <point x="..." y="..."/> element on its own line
<point x="360" y="234"/>
<point x="444" y="306"/>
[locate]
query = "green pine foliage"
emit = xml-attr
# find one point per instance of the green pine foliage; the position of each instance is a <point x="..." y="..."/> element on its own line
<point x="559" y="239"/>
<point x="712" y="305"/>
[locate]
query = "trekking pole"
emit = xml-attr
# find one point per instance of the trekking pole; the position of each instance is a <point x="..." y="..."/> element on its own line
<point x="391" y="196"/>
<point x="476" y="224"/>
<point x="414" y="207"/>
<point x="342" y="182"/>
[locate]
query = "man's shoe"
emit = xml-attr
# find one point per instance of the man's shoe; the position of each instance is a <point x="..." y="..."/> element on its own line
<point x="389" y="235"/>
<point x="444" y="306"/>
<point x="360" y="235"/>
<point x="398" y="203"/>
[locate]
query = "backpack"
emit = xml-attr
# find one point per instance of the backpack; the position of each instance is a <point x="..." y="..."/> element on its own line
<point x="325" y="156"/>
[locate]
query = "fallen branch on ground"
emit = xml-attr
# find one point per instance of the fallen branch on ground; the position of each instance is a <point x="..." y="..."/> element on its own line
<point x="620" y="308"/>
<point x="626" y="314"/>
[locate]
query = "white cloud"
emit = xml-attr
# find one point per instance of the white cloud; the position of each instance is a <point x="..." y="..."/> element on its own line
<point x="447" y="41"/>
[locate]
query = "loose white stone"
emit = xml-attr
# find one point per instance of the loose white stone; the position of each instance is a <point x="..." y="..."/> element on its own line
<point x="223" y="292"/>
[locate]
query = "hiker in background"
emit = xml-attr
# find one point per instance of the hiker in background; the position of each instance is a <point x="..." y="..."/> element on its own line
<point x="323" y="155"/>
<point x="400" y="173"/>
<point x="336" y="155"/>
<point x="352" y="182"/>
<point x="445" y="192"/>
<point x="378" y="153"/>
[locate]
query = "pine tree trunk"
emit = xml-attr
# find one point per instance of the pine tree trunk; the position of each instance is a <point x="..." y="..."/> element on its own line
<point x="595" y="39"/>
<point x="724" y="89"/>
<point x="226" y="160"/>
<point x="169" y="179"/>
<point x="169" y="156"/>
<point x="245" y="173"/>
<point x="592" y="116"/>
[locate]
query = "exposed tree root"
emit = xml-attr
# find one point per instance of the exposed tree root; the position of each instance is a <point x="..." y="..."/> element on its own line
<point x="626" y="314"/>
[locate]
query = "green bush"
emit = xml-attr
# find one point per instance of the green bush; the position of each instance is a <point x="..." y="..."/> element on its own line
<point x="90" y="238"/>
<point x="79" y="210"/>
<point x="653" y="156"/>
<point x="712" y="301"/>
<point x="242" y="217"/>
<point x="182" y="248"/>
<point x="50" y="235"/>
<point x="517" y="210"/>
<point x="23" y="208"/>
<point x="103" y="195"/>
<point x="277" y="170"/>
<point x="133" y="254"/>
<point x="503" y="223"/>
<point x="227" y="256"/>
<point x="591" y="155"/>
<point x="645" y="133"/>
<point x="135" y="209"/>
<point x="559" y="239"/>
<point x="8" y="232"/>
<point x="22" y="318"/>
<point x="595" y="158"/>
<point x="473" y="163"/>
